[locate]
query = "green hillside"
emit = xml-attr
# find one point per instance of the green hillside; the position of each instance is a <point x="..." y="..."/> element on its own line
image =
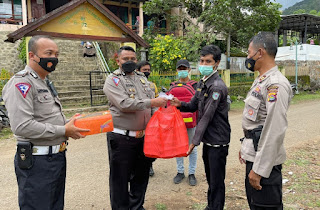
<point x="304" y="7"/>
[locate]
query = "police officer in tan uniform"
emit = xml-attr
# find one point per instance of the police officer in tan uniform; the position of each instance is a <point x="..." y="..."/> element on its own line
<point x="131" y="104"/>
<point x="41" y="129"/>
<point x="264" y="123"/>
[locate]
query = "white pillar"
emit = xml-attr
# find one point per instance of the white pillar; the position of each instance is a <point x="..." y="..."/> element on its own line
<point x="141" y="19"/>
<point x="24" y="12"/>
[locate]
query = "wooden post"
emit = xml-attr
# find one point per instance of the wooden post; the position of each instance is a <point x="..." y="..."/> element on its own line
<point x="141" y="19"/>
<point x="256" y="74"/>
<point x="27" y="48"/>
<point x="225" y="76"/>
<point x="24" y="12"/>
<point x="29" y="11"/>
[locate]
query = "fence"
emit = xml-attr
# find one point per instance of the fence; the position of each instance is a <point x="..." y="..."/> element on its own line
<point x="97" y="97"/>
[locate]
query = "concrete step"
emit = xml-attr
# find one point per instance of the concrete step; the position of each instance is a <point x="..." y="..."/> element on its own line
<point x="71" y="82"/>
<point x="69" y="72"/>
<point x="69" y="77"/>
<point x="72" y="88"/>
<point x="67" y="94"/>
<point x="82" y="110"/>
<point x="82" y="100"/>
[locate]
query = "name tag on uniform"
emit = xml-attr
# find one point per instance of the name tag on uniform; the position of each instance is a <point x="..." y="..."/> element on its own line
<point x="42" y="91"/>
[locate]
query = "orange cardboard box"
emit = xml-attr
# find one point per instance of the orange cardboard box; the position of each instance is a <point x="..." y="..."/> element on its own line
<point x="98" y="122"/>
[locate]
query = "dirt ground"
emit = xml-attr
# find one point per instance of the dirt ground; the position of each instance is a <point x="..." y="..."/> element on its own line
<point x="87" y="173"/>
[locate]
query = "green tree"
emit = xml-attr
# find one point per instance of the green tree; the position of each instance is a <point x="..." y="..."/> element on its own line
<point x="242" y="19"/>
<point x="313" y="12"/>
<point x="299" y="11"/>
<point x="318" y="14"/>
<point x="239" y="18"/>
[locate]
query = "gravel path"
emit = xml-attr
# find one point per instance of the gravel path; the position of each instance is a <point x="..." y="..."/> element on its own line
<point x="87" y="173"/>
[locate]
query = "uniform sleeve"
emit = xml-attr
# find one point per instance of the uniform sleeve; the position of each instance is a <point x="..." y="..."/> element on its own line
<point x="19" y="103"/>
<point x="118" y="96"/>
<point x="275" y="126"/>
<point x="213" y="100"/>
<point x="191" y="106"/>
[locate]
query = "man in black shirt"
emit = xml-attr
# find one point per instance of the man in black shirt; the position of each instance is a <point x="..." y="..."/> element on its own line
<point x="213" y="127"/>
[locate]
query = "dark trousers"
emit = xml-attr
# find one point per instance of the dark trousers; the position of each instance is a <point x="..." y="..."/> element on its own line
<point x="42" y="187"/>
<point x="215" y="159"/>
<point x="270" y="197"/>
<point x="127" y="165"/>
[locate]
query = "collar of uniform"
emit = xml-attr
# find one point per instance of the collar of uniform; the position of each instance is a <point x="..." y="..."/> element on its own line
<point x="32" y="72"/>
<point x="267" y="74"/>
<point x="210" y="75"/>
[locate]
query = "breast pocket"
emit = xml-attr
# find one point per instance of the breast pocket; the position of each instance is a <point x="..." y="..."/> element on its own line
<point x="252" y="108"/>
<point x="43" y="104"/>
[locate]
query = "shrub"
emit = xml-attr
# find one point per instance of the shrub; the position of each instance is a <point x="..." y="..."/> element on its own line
<point x="4" y="78"/>
<point x="22" y="51"/>
<point x="165" y="51"/>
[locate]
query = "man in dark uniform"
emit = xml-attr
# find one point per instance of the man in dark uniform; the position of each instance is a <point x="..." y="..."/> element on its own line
<point x="213" y="127"/>
<point x="131" y="104"/>
<point x="41" y="129"/>
<point x="264" y="124"/>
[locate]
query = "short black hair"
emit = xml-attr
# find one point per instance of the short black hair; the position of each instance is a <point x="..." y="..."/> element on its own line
<point x="265" y="40"/>
<point x="141" y="64"/>
<point x="32" y="44"/>
<point x="211" y="50"/>
<point x="125" y="48"/>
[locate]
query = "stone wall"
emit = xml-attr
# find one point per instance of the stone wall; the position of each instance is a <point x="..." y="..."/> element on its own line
<point x="311" y="68"/>
<point x="9" y="55"/>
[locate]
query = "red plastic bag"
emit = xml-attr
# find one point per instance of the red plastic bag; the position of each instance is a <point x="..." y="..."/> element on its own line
<point x="166" y="134"/>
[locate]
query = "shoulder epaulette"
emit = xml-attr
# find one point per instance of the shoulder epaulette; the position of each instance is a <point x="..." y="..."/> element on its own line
<point x="139" y="73"/>
<point x="274" y="78"/>
<point x="117" y="73"/>
<point x="22" y="73"/>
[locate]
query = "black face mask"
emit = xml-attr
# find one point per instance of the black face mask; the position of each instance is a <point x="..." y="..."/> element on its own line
<point x="48" y="64"/>
<point x="129" y="66"/>
<point x="249" y="63"/>
<point x="147" y="74"/>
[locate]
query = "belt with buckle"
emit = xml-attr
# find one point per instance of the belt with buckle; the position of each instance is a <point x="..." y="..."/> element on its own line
<point x="45" y="150"/>
<point x="136" y="134"/>
<point x="217" y="145"/>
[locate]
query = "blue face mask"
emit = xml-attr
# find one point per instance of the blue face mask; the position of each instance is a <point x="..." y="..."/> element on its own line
<point x="205" y="70"/>
<point x="183" y="73"/>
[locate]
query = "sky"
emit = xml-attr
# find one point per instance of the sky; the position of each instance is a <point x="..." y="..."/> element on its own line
<point x="287" y="3"/>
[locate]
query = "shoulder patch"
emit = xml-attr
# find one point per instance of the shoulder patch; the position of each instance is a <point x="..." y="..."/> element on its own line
<point x="116" y="80"/>
<point x="215" y="95"/>
<point x="23" y="88"/>
<point x="272" y="93"/>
